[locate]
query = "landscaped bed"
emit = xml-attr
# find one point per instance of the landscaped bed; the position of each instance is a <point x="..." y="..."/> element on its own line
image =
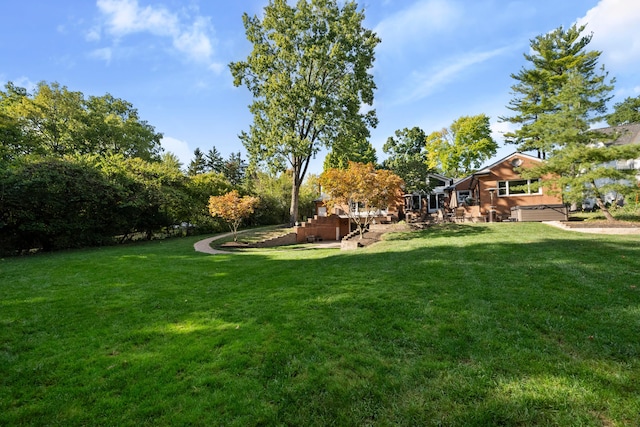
<point x="461" y="324"/>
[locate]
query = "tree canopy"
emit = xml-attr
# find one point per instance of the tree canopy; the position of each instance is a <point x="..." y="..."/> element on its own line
<point x="309" y="76"/>
<point x="408" y="158"/>
<point x="233" y="208"/>
<point x="462" y="148"/>
<point x="581" y="163"/>
<point x="625" y="112"/>
<point x="56" y="121"/>
<point x="554" y="57"/>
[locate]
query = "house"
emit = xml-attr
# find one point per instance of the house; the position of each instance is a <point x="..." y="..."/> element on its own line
<point x="421" y="204"/>
<point x="499" y="193"/>
<point x="624" y="134"/>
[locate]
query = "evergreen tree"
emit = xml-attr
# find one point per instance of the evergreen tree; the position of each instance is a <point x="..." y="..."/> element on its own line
<point x="198" y="163"/>
<point x="625" y="112"/>
<point x="235" y="169"/>
<point x="214" y="161"/>
<point x="554" y="57"/>
<point x="582" y="164"/>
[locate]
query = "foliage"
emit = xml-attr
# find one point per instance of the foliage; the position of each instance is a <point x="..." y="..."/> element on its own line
<point x="233" y="208"/>
<point x="309" y="76"/>
<point x="460" y="149"/>
<point x="554" y="57"/>
<point x="235" y="169"/>
<point x="214" y="161"/>
<point x="198" y="164"/>
<point x="625" y="112"/>
<point x="580" y="172"/>
<point x="199" y="189"/>
<point x="517" y="325"/>
<point x="407" y="158"/>
<point x="55" y="121"/>
<point x="361" y="191"/>
<point x="55" y="204"/>
<point x="581" y="166"/>
<point x="350" y="150"/>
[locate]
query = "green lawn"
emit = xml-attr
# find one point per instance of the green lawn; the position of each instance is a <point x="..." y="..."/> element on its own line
<point x="467" y="325"/>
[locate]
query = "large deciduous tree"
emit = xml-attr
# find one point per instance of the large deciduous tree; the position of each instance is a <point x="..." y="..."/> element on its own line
<point x="407" y="158"/>
<point x="309" y="76"/>
<point x="233" y="208"/>
<point x="361" y="190"/>
<point x="463" y="147"/>
<point x="55" y="121"/>
<point x="554" y="57"/>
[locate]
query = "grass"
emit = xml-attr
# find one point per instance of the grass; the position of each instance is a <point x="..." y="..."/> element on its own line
<point x="464" y="325"/>
<point x="628" y="213"/>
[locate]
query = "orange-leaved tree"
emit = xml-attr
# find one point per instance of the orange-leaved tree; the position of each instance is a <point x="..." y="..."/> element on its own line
<point x="232" y="208"/>
<point x="361" y="190"/>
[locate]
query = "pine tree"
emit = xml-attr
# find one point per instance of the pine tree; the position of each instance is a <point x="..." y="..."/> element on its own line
<point x="555" y="57"/>
<point x="198" y="163"/>
<point x="214" y="161"/>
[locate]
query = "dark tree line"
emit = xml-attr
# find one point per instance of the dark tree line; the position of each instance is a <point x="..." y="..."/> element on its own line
<point x="80" y="171"/>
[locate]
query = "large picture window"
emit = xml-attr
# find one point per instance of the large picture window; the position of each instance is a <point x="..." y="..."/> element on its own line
<point x="519" y="187"/>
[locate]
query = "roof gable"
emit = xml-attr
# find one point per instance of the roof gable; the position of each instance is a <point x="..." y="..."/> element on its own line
<point x="511" y="156"/>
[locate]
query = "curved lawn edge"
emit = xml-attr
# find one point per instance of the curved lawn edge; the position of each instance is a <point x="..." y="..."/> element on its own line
<point x="204" y="245"/>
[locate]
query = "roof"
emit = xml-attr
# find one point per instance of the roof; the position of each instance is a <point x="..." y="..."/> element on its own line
<point x="627" y="134"/>
<point x="487" y="169"/>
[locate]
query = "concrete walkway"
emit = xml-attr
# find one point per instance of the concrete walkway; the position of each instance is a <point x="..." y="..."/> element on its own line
<point x="204" y="246"/>
<point x="595" y="230"/>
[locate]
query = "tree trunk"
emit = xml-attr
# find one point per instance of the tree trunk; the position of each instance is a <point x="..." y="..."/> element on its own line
<point x="295" y="198"/>
<point x="604" y="209"/>
<point x="601" y="204"/>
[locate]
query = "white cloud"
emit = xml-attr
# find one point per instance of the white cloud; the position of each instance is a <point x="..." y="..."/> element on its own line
<point x="409" y="25"/>
<point x="125" y="17"/>
<point x="103" y="54"/>
<point x="424" y="84"/>
<point x="179" y="148"/>
<point x="195" y="41"/>
<point x="93" y="35"/>
<point x="614" y="24"/>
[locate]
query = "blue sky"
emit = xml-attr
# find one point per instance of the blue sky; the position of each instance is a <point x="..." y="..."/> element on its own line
<point x="438" y="60"/>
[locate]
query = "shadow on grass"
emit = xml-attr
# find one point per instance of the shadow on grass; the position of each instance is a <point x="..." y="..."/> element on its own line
<point x="440" y="230"/>
<point x="465" y="325"/>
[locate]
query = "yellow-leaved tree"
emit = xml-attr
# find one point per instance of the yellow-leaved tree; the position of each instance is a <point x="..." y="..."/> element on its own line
<point x="232" y="208"/>
<point x="361" y="190"/>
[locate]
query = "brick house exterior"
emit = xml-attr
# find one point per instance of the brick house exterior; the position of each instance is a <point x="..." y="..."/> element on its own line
<point x="497" y="191"/>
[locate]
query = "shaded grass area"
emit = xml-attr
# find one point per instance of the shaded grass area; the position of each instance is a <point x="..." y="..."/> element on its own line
<point x="460" y="325"/>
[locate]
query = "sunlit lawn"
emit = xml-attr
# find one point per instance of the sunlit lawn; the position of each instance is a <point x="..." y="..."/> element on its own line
<point x="468" y="325"/>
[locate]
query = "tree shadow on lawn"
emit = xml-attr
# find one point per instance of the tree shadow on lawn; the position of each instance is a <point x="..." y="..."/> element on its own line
<point x="440" y="230"/>
<point x="537" y="331"/>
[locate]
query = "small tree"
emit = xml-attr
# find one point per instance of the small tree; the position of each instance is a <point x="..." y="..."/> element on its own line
<point x="361" y="191"/>
<point x="233" y="208"/>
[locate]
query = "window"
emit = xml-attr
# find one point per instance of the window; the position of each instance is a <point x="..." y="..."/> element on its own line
<point x="463" y="195"/>
<point x="518" y="187"/>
